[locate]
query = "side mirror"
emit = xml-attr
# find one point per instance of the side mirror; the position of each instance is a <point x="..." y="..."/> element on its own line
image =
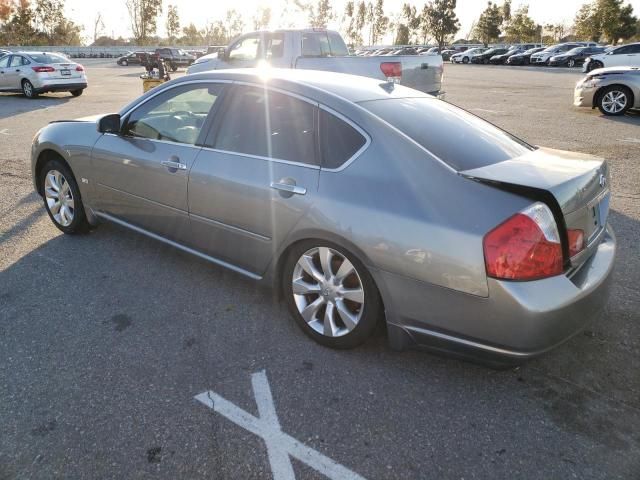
<point x="109" y="124"/>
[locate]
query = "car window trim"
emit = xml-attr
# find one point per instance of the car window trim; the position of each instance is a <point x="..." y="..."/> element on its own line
<point x="206" y="125"/>
<point x="209" y="141"/>
<point x="355" y="126"/>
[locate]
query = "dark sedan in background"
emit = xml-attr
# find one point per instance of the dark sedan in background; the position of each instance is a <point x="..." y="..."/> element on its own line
<point x="485" y="57"/>
<point x="502" y="58"/>
<point x="522" y="58"/>
<point x="132" y="58"/>
<point x="575" y="57"/>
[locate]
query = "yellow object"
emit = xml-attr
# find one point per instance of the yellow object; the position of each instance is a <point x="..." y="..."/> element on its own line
<point x="149" y="83"/>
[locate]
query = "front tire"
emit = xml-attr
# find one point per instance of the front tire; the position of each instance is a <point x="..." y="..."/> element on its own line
<point x="571" y="63"/>
<point x="28" y="90"/>
<point x="615" y="100"/>
<point x="465" y="60"/>
<point x="62" y="199"/>
<point x="595" y="64"/>
<point x="125" y="63"/>
<point x="330" y="294"/>
<point x="174" y="67"/>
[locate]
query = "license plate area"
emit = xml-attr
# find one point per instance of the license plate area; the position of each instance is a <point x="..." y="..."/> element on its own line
<point x="597" y="214"/>
<point x="65" y="72"/>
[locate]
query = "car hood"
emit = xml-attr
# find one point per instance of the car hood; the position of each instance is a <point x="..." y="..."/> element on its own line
<point x="613" y="70"/>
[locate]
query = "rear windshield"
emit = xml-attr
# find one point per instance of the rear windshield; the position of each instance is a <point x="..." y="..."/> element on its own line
<point x="458" y="138"/>
<point x="48" y="58"/>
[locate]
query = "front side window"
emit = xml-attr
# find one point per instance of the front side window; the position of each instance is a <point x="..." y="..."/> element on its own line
<point x="268" y="124"/>
<point x="176" y="115"/>
<point x="274" y="46"/>
<point x="245" y="49"/>
<point x="339" y="141"/>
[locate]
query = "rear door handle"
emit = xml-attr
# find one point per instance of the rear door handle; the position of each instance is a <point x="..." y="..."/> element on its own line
<point x="174" y="165"/>
<point x="285" y="187"/>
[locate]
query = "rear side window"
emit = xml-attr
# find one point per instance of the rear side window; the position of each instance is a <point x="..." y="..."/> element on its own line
<point x="268" y="124"/>
<point x="315" y="44"/>
<point x="337" y="45"/>
<point x="339" y="141"/>
<point x="48" y="58"/>
<point x="458" y="138"/>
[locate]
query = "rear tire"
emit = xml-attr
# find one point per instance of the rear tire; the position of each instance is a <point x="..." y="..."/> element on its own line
<point x="485" y="61"/>
<point x="61" y="197"/>
<point x="28" y="90"/>
<point x="174" y="67"/>
<point x="615" y="100"/>
<point x="571" y="63"/>
<point x="335" y="300"/>
<point x="76" y="93"/>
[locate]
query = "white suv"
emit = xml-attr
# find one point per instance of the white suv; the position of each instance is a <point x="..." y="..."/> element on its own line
<point x="624" y="56"/>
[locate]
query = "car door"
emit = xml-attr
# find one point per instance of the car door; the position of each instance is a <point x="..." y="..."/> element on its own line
<point x="632" y="54"/>
<point x="255" y="177"/>
<point x="141" y="175"/>
<point x="619" y="57"/>
<point x="14" y="71"/>
<point x="4" y="72"/>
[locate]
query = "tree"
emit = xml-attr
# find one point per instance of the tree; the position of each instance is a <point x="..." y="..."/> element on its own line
<point x="407" y="25"/>
<point x="19" y="29"/>
<point x="402" y="35"/>
<point x="606" y="20"/>
<point x="440" y="20"/>
<point x="173" y="22"/>
<point x="262" y="18"/>
<point x="380" y="22"/>
<point x="47" y="15"/>
<point x="488" y="26"/>
<point x="350" y="17"/>
<point x="234" y="25"/>
<point x="586" y="25"/>
<point x="6" y="9"/>
<point x="67" y="32"/>
<point x="98" y="25"/>
<point x="319" y="15"/>
<point x="215" y="34"/>
<point x="191" y="35"/>
<point x="143" y="15"/>
<point x="361" y="19"/>
<point x="521" y="27"/>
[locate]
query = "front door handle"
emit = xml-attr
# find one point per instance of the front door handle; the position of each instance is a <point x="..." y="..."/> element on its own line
<point x="286" y="187"/>
<point x="174" y="164"/>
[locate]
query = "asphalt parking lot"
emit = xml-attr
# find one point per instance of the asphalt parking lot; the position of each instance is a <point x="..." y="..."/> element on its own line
<point x="106" y="340"/>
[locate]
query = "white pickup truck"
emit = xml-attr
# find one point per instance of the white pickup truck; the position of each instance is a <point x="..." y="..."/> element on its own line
<point x="315" y="49"/>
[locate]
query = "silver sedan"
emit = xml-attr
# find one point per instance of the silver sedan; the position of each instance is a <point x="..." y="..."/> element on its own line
<point x="34" y="73"/>
<point x="361" y="201"/>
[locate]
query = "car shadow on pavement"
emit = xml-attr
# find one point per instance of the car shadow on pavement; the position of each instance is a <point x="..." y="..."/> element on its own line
<point x="15" y="103"/>
<point x="632" y="117"/>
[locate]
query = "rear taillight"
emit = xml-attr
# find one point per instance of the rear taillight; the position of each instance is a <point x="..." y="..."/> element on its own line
<point x="43" y="69"/>
<point x="79" y="68"/>
<point x="525" y="247"/>
<point x="576" y="241"/>
<point x="391" y="69"/>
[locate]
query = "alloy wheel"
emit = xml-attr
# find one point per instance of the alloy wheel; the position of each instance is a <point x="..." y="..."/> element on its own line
<point x="571" y="63"/>
<point x="59" y="198"/>
<point x="614" y="101"/>
<point x="328" y="291"/>
<point x="27" y="88"/>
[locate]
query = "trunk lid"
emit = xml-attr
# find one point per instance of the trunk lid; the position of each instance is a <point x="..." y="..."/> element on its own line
<point x="64" y="70"/>
<point x="578" y="184"/>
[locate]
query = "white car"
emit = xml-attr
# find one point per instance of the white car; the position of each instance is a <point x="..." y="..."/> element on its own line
<point x="624" y="56"/>
<point x="467" y="55"/>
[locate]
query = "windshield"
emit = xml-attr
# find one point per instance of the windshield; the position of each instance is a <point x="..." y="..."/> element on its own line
<point x="48" y="58"/>
<point x="458" y="138"/>
<point x="577" y="50"/>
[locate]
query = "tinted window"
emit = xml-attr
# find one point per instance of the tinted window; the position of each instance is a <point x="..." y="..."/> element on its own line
<point x="4" y="61"/>
<point x="268" y="124"/>
<point x="48" y="58"/>
<point x="176" y="115"/>
<point x="339" y="141"/>
<point x="634" y="49"/>
<point x="460" y="139"/>
<point x="315" y="44"/>
<point x="337" y="45"/>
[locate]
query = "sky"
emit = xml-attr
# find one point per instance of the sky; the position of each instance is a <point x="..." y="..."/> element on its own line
<point x="200" y="12"/>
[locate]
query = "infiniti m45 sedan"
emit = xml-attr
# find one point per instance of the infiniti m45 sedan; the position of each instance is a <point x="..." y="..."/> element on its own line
<point x="361" y="201"/>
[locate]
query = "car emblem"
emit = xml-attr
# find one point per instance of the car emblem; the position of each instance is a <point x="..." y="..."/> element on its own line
<point x="603" y="181"/>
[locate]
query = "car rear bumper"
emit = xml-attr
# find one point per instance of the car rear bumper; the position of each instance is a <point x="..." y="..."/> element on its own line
<point x="60" y="87"/>
<point x="517" y="321"/>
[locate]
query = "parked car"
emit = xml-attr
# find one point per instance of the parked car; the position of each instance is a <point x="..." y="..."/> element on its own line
<point x="467" y="55"/>
<point x="446" y="54"/>
<point x="522" y="58"/>
<point x="131" y="58"/>
<point x="175" y="57"/>
<point x="613" y="90"/>
<point x="34" y="73"/>
<point x="318" y="49"/>
<point x="624" y="56"/>
<point x="502" y="58"/>
<point x="485" y="57"/>
<point x="357" y="201"/>
<point x="574" y="57"/>
<point x="543" y="57"/>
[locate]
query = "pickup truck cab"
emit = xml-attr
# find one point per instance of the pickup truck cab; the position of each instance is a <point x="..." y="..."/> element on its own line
<point x="174" y="57"/>
<point x="319" y="49"/>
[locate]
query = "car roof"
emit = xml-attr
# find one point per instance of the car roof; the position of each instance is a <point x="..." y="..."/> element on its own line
<point x="349" y="87"/>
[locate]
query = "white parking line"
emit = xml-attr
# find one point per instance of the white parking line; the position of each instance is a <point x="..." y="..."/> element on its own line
<point x="629" y="140"/>
<point x="486" y="111"/>
<point x="4" y="131"/>
<point x="279" y="445"/>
